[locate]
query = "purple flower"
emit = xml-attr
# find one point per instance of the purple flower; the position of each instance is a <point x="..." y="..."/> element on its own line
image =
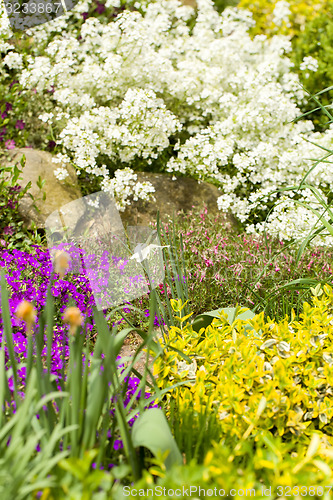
<point x="28" y="276"/>
<point x="157" y="322"/>
<point x="15" y="189"/>
<point x="118" y="444"/>
<point x="20" y="125"/>
<point x="11" y="384"/>
<point x="100" y="8"/>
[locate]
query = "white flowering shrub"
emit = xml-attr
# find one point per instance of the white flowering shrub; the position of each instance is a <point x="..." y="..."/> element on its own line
<point x="167" y="88"/>
<point x="281" y="13"/>
<point x="292" y="219"/>
<point x="5" y="34"/>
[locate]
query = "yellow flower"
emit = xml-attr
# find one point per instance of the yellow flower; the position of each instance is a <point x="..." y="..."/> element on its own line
<point x="61" y="262"/>
<point x="73" y="317"/>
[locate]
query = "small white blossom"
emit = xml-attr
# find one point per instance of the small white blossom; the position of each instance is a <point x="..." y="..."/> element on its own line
<point x="46" y="117"/>
<point x="13" y="60"/>
<point x="61" y="173"/>
<point x="281" y="13"/>
<point x="309" y="63"/>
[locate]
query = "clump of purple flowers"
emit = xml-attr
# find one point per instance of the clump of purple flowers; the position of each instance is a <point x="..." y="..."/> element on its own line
<point x="28" y="278"/>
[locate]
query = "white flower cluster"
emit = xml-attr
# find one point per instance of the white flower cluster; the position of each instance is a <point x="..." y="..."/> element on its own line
<point x="5" y="34"/>
<point x="132" y="88"/>
<point x="5" y="30"/>
<point x="13" y="60"/>
<point x="139" y="127"/>
<point x="291" y="219"/>
<point x="124" y="186"/>
<point x="281" y="13"/>
<point x="309" y="63"/>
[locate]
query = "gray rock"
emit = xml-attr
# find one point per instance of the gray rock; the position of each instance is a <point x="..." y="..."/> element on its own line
<point x="172" y="196"/>
<point x="58" y="193"/>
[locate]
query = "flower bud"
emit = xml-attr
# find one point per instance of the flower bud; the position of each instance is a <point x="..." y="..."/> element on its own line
<point x="73" y="317"/>
<point x="26" y="312"/>
<point x="61" y="263"/>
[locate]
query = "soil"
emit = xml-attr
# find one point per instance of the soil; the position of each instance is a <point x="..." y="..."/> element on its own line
<point x="129" y="348"/>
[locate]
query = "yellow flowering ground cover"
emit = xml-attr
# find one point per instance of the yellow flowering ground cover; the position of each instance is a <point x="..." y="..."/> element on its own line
<point x="269" y="391"/>
<point x="301" y="11"/>
<point x="280" y="376"/>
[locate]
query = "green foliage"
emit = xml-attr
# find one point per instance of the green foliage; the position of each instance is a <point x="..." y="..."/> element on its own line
<point x="225" y="267"/>
<point x="220" y="5"/>
<point x="12" y="108"/>
<point x="323" y="225"/>
<point x="23" y="470"/>
<point x="205" y="319"/>
<point x="13" y="233"/>
<point x="274" y="383"/>
<point x="175" y="283"/>
<point x="316" y="40"/>
<point x="151" y="430"/>
<point x="76" y="412"/>
<point x="80" y="481"/>
<point x="265" y="468"/>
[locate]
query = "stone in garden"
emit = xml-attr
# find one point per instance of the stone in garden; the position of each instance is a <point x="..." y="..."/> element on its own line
<point x="171" y="196"/>
<point x="191" y="3"/>
<point x="58" y="193"/>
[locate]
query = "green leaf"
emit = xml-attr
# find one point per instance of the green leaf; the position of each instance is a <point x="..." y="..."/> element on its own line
<point x="151" y="430"/>
<point x="205" y="319"/>
<point x="121" y="471"/>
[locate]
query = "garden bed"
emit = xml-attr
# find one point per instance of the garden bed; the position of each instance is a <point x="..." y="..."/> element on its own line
<point x="193" y="355"/>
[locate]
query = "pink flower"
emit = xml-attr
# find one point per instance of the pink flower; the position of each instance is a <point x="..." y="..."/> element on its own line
<point x="310" y="264"/>
<point x="8" y="230"/>
<point x="208" y="262"/>
<point x="10" y="144"/>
